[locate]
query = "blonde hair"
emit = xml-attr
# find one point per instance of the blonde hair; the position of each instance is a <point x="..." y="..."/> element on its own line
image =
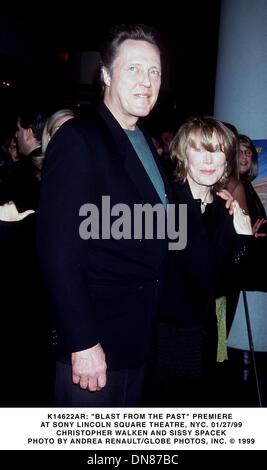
<point x="51" y="125"/>
<point x="253" y="171"/>
<point x="203" y="128"/>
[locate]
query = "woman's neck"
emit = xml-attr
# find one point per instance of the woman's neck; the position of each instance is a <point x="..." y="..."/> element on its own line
<point x="199" y="191"/>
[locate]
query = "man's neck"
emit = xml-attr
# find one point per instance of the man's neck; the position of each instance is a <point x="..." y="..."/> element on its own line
<point x="126" y="122"/>
<point x="34" y="147"/>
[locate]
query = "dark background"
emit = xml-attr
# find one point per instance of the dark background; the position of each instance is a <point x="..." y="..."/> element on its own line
<point x="40" y="54"/>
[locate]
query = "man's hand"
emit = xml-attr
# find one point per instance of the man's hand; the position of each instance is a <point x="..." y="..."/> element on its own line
<point x="241" y="219"/>
<point x="242" y="223"/>
<point x="89" y="368"/>
<point x="224" y="194"/>
<point x="257" y="226"/>
<point x="9" y="213"/>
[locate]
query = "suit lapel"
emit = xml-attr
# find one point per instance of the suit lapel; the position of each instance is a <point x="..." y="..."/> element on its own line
<point x="132" y="164"/>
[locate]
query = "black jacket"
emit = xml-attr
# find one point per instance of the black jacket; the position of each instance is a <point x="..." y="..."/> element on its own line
<point x="101" y="290"/>
<point x="209" y="265"/>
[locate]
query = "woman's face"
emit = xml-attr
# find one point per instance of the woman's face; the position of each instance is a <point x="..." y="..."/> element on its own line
<point x="245" y="158"/>
<point x="204" y="167"/>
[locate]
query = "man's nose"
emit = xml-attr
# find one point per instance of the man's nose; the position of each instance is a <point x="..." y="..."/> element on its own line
<point x="145" y="79"/>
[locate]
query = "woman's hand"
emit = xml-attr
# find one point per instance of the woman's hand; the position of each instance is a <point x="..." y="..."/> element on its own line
<point x="9" y="213"/>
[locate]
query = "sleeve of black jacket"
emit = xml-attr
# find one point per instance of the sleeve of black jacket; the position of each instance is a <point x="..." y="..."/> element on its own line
<point x="236" y="250"/>
<point x="67" y="183"/>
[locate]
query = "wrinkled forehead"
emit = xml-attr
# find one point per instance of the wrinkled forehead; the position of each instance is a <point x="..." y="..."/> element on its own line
<point x="138" y="50"/>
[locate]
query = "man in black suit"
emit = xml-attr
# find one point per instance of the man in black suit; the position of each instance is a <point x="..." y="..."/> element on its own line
<point x="25" y="174"/>
<point x="104" y="287"/>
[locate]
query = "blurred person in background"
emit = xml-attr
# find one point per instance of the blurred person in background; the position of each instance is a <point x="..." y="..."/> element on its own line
<point x="53" y="123"/>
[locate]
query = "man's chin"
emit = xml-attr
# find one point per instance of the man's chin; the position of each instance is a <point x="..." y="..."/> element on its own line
<point x="142" y="112"/>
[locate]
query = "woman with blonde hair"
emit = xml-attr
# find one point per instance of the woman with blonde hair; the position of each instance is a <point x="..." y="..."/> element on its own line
<point x="203" y="151"/>
<point x="53" y="124"/>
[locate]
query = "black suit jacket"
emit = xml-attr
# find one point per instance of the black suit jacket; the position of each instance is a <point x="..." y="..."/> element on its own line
<point x="102" y="290"/>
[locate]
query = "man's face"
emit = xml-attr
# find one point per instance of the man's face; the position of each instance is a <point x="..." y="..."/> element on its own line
<point x="132" y="86"/>
<point x="22" y="139"/>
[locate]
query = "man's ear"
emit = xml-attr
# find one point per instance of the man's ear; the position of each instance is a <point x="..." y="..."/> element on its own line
<point x="106" y="76"/>
<point x="29" y="134"/>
